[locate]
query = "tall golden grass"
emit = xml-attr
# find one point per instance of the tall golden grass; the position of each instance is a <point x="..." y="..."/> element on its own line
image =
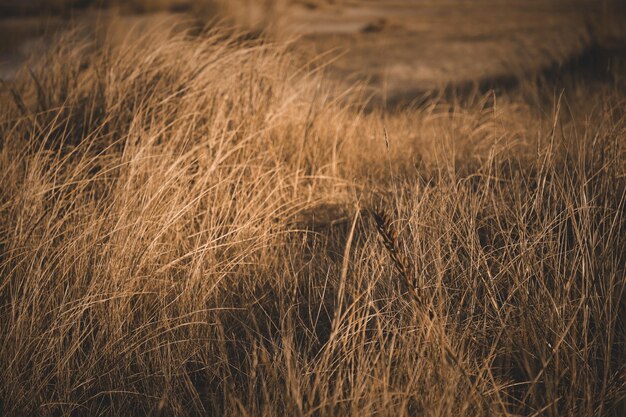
<point x="195" y="225"/>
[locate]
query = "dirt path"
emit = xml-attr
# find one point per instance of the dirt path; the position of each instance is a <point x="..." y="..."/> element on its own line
<point x="422" y="45"/>
<point x="398" y="46"/>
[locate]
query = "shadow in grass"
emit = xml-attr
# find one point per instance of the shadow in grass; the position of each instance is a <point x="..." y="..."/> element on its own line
<point x="595" y="65"/>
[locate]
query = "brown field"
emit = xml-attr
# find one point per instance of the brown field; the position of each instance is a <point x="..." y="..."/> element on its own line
<point x="223" y="222"/>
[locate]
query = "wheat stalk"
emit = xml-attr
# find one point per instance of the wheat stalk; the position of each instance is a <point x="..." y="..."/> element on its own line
<point x="402" y="265"/>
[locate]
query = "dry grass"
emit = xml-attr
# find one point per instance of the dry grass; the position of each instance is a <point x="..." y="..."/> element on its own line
<point x="158" y="254"/>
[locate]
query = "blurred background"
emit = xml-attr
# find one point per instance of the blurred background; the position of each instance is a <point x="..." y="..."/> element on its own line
<point x="401" y="48"/>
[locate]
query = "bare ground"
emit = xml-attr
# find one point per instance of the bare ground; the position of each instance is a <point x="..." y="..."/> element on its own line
<point x="398" y="47"/>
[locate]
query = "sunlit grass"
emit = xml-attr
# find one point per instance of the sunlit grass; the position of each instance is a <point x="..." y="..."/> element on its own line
<point x="195" y="225"/>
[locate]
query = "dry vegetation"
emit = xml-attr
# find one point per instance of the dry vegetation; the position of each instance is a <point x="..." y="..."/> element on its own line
<point x="195" y="226"/>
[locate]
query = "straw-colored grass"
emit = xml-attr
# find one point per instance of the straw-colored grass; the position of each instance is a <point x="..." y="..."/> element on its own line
<point x="196" y="226"/>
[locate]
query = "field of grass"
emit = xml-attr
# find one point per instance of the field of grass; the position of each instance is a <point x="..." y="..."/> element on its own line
<point x="195" y="225"/>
